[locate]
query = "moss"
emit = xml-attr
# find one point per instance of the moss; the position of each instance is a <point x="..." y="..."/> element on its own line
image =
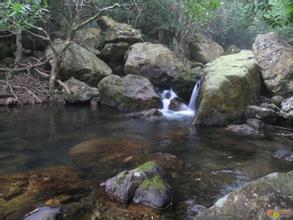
<point x="154" y="182"/>
<point x="147" y="166"/>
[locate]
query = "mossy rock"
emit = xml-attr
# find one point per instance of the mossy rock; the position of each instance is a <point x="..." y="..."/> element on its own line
<point x="144" y="185"/>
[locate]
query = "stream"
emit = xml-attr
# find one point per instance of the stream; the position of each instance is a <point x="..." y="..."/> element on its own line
<point x="212" y="161"/>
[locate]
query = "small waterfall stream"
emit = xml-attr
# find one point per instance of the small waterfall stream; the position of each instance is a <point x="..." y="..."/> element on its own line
<point x="184" y="110"/>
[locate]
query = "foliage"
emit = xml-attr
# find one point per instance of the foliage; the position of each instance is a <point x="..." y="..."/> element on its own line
<point x="15" y="15"/>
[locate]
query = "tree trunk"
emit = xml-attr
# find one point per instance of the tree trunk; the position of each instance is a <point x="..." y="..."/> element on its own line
<point x="54" y="73"/>
<point x="18" y="53"/>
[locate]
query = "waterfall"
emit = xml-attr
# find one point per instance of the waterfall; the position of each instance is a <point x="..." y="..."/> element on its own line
<point x="195" y="91"/>
<point x="184" y="110"/>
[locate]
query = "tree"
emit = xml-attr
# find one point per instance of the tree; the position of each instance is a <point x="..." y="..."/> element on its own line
<point x="17" y="16"/>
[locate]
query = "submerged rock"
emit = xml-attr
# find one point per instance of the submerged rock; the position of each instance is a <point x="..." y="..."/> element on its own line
<point x="243" y="129"/>
<point x="80" y="63"/>
<point x="45" y="213"/>
<point x="253" y="200"/>
<point x="128" y="94"/>
<point x="284" y="154"/>
<point x="153" y="61"/>
<point x="79" y="91"/>
<point x="231" y="84"/>
<point x="202" y="49"/>
<point x="275" y="57"/>
<point x="144" y="185"/>
<point x="23" y="192"/>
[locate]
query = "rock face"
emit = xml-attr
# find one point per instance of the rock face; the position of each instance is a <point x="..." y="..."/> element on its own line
<point x="79" y="91"/>
<point x="128" y="94"/>
<point x="117" y="38"/>
<point x="153" y="61"/>
<point x="183" y="83"/>
<point x="287" y="110"/>
<point x="82" y="64"/>
<point x="144" y="185"/>
<point x="275" y="57"/>
<point x="202" y="49"/>
<point x="231" y="83"/>
<point x="23" y="192"/>
<point x="253" y="200"/>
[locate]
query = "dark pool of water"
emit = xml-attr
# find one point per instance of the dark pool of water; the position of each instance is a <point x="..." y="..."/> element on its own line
<point x="214" y="161"/>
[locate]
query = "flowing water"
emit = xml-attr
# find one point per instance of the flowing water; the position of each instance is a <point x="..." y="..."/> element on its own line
<point x="194" y="95"/>
<point x="211" y="162"/>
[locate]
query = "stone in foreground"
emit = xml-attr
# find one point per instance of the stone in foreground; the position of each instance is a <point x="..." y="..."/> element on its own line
<point x="144" y="185"/>
<point x="231" y="83"/>
<point x="253" y="200"/>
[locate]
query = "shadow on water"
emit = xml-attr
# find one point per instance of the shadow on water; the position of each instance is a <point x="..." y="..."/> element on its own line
<point x="211" y="161"/>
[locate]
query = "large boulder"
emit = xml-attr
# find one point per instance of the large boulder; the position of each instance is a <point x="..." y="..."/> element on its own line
<point x="259" y="199"/>
<point x="231" y="84"/>
<point x="153" y="61"/>
<point x="144" y="185"/>
<point x="275" y="57"/>
<point x="128" y="94"/>
<point x="79" y="92"/>
<point x="88" y="38"/>
<point x="116" y="38"/>
<point x="183" y="83"/>
<point x="202" y="49"/>
<point x="80" y="63"/>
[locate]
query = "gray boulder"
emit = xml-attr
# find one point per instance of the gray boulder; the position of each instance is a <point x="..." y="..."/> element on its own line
<point x="88" y="38"/>
<point x="231" y="83"/>
<point x="153" y="61"/>
<point x="128" y="94"/>
<point x="253" y="200"/>
<point x="80" y="63"/>
<point x="202" y="49"/>
<point x="267" y="115"/>
<point x="144" y="185"/>
<point x="79" y="91"/>
<point x="287" y="110"/>
<point x="275" y="57"/>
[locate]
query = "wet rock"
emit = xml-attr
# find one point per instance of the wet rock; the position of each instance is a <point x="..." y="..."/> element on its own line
<point x="153" y="61"/>
<point x="176" y="104"/>
<point x="275" y="57"/>
<point x="255" y="123"/>
<point x="193" y="209"/>
<point x="202" y="49"/>
<point x="243" y="129"/>
<point x="44" y="213"/>
<point x="231" y="84"/>
<point x="151" y="114"/>
<point x="183" y="84"/>
<point x="232" y="49"/>
<point x="287" y="110"/>
<point x="106" y="153"/>
<point x="267" y="115"/>
<point x="252" y="200"/>
<point x="129" y="94"/>
<point x="79" y="91"/>
<point x="80" y="63"/>
<point x="284" y="154"/>
<point x="23" y="192"/>
<point x="277" y="100"/>
<point x="144" y="185"/>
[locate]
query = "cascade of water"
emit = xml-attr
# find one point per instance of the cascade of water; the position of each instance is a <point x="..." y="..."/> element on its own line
<point x="192" y="101"/>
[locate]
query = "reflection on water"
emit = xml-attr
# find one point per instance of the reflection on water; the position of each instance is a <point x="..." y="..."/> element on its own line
<point x="214" y="161"/>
